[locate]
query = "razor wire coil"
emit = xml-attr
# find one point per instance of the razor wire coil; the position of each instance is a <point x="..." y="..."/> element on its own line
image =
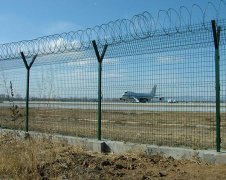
<point x="140" y="26"/>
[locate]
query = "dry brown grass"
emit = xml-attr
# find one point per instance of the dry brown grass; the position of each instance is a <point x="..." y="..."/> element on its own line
<point x="187" y="129"/>
<point x="30" y="159"/>
<point x="23" y="159"/>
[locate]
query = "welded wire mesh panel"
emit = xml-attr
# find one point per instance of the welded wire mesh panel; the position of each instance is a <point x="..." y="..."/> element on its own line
<point x="182" y="111"/>
<point x="63" y="96"/>
<point x="223" y="92"/>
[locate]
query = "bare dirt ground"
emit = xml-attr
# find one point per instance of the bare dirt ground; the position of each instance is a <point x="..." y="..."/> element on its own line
<point x="184" y="129"/>
<point x="29" y="159"/>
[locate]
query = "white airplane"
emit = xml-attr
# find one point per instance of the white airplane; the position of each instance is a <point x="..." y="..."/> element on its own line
<point x="140" y="97"/>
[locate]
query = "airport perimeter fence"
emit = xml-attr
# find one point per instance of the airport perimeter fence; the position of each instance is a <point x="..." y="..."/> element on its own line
<point x="70" y="95"/>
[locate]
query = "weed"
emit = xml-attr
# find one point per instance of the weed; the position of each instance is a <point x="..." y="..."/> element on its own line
<point x="15" y="113"/>
<point x="14" y="121"/>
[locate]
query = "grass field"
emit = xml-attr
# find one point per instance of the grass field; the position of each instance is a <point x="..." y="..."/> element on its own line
<point x="188" y="129"/>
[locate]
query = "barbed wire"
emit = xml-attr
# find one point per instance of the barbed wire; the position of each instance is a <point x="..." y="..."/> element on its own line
<point x="122" y="30"/>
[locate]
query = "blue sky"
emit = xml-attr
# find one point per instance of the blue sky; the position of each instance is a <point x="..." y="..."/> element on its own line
<point x="29" y="19"/>
<point x="174" y="72"/>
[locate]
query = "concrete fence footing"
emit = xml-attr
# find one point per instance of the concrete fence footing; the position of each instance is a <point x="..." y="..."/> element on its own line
<point x="106" y="146"/>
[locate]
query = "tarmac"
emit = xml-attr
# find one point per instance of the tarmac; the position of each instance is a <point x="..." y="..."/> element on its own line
<point x="162" y="106"/>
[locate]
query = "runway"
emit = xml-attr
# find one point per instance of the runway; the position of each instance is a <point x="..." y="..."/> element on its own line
<point x="162" y="107"/>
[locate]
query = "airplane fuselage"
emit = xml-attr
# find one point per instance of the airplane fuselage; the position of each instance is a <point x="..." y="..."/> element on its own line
<point x="139" y="97"/>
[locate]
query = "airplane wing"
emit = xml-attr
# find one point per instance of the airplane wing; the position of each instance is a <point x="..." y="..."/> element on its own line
<point x="137" y="100"/>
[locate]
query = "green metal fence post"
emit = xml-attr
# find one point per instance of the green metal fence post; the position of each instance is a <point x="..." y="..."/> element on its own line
<point x="27" y="100"/>
<point x="216" y="36"/>
<point x="100" y="60"/>
<point x="28" y="67"/>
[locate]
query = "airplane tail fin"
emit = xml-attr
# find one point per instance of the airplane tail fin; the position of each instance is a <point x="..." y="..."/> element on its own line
<point x="153" y="91"/>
